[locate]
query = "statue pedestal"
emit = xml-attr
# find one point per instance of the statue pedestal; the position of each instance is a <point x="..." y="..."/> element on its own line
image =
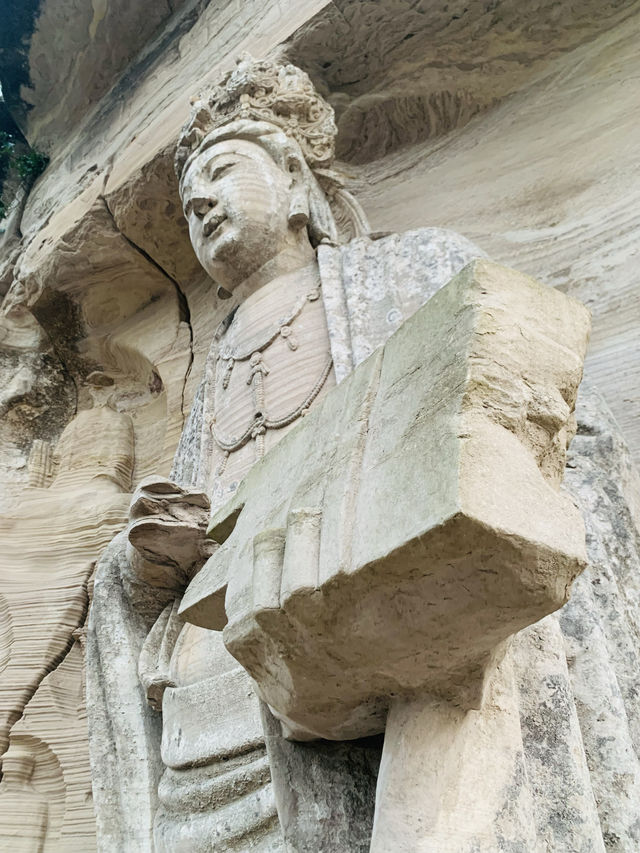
<point x="391" y="543"/>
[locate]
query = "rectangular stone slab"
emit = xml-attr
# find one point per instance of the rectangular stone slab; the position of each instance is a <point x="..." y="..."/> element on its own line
<point x="415" y="519"/>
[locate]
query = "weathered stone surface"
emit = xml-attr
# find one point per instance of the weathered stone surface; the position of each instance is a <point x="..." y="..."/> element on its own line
<point x="406" y="71"/>
<point x="142" y="113"/>
<point x="452" y="780"/>
<point x="600" y="627"/>
<point x="45" y="576"/>
<point x="435" y="466"/>
<point x="131" y="725"/>
<point x="546" y="181"/>
<point x="52" y="731"/>
<point x="52" y="83"/>
<point x="371" y="285"/>
<point x="565" y="769"/>
<point x="37" y="395"/>
<point x="330" y="806"/>
<point x="413" y="63"/>
<point x="125" y="316"/>
<point x="24" y="812"/>
<point x="528" y="151"/>
<point x="67" y="477"/>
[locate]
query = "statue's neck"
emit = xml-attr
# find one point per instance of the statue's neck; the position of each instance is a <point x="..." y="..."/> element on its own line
<point x="291" y="259"/>
<point x="271" y="302"/>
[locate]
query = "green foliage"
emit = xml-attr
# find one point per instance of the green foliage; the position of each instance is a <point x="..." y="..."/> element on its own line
<point x="28" y="165"/>
<point x="6" y="149"/>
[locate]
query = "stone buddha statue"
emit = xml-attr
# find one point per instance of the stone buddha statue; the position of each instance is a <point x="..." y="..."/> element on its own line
<point x="184" y="755"/>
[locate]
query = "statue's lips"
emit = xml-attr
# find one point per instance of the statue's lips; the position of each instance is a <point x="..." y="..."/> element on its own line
<point x="212" y="224"/>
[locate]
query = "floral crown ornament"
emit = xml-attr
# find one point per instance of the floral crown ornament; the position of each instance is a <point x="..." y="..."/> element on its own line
<point x="264" y="90"/>
<point x="261" y="100"/>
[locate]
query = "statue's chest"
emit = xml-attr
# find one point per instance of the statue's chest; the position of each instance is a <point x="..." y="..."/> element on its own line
<point x="269" y="384"/>
<point x="264" y="375"/>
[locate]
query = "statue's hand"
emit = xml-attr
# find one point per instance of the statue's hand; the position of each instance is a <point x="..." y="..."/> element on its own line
<point x="285" y="581"/>
<point x="275" y="601"/>
<point x="168" y="526"/>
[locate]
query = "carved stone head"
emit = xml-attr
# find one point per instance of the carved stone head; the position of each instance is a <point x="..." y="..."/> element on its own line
<point x="246" y="200"/>
<point x="254" y="168"/>
<point x="100" y="387"/>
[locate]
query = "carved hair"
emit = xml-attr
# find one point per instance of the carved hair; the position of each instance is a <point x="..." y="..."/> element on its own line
<point x="276" y="106"/>
<point x="263" y="90"/>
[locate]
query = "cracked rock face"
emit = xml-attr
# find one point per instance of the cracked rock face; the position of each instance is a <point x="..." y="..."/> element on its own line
<point x="75" y="71"/>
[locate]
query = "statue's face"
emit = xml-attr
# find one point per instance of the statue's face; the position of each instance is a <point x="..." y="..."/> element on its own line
<point x="236" y="201"/>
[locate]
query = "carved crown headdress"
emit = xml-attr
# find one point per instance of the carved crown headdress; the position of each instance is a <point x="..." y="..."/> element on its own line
<point x="263" y="90"/>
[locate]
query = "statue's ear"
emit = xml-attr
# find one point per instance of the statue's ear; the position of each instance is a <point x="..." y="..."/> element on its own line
<point x="299" y="204"/>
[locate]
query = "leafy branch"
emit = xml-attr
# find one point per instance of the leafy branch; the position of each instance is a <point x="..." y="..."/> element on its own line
<point x="27" y="165"/>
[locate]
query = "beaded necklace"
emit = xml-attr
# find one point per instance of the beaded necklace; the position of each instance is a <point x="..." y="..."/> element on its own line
<point x="253" y="351"/>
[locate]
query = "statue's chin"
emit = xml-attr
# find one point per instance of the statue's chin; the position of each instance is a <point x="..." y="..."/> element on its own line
<point x="229" y="260"/>
<point x="212" y="253"/>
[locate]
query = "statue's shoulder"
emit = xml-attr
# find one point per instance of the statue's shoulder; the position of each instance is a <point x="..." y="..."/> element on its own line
<point x="373" y="283"/>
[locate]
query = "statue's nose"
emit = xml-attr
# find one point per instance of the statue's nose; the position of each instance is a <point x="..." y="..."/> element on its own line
<point x="201" y="205"/>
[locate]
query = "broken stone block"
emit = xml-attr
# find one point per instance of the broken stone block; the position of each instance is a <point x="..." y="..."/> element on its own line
<point x="415" y="520"/>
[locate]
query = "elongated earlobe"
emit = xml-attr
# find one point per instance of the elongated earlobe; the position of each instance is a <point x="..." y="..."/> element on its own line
<point x="299" y="208"/>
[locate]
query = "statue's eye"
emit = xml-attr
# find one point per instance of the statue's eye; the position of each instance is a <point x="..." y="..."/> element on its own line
<point x="188" y="208"/>
<point x="219" y="170"/>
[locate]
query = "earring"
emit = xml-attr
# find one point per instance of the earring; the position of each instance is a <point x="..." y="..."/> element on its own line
<point x="298" y="208"/>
